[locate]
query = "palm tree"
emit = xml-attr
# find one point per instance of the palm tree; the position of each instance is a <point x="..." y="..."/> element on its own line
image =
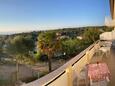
<point x="48" y="43"/>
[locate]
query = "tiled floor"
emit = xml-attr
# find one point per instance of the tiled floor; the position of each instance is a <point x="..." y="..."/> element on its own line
<point x="110" y="61"/>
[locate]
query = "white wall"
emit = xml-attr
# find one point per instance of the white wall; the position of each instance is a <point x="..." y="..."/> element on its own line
<point x="113" y="34"/>
<point x="106" y="36"/>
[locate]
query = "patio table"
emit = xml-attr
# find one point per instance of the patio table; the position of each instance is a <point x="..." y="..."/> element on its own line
<point x="98" y="72"/>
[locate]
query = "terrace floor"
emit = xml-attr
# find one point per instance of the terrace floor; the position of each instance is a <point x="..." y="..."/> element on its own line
<point x="109" y="59"/>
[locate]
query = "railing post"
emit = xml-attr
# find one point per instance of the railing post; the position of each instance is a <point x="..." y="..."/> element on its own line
<point x="69" y="72"/>
<point x="87" y="56"/>
<point x="98" y="45"/>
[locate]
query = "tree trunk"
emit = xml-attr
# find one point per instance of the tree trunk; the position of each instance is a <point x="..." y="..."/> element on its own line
<point x="49" y="63"/>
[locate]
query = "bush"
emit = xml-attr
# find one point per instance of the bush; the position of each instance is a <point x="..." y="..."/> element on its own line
<point x="6" y="82"/>
<point x="40" y="57"/>
<point x="37" y="55"/>
<point x="30" y="79"/>
<point x="43" y="58"/>
<point x="43" y="73"/>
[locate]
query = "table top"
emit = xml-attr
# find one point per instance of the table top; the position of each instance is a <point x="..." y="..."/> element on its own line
<point x="98" y="71"/>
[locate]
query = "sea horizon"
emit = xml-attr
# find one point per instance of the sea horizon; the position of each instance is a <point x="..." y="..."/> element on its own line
<point x="48" y="29"/>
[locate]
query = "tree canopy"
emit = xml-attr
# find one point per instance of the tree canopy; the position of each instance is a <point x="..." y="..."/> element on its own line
<point x="48" y="44"/>
<point x="91" y="34"/>
<point x="20" y="47"/>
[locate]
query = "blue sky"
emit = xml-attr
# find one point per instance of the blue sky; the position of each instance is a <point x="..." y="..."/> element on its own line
<point x="25" y="15"/>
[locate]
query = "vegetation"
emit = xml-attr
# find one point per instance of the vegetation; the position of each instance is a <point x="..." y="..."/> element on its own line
<point x="48" y="44"/>
<point x="56" y="44"/>
<point x="91" y="35"/>
<point x="66" y="39"/>
<point x="19" y="48"/>
<point x="70" y="46"/>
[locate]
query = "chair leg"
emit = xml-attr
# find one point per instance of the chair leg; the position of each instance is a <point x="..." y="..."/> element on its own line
<point x="86" y="78"/>
<point x="86" y="81"/>
<point x="91" y="82"/>
<point x="77" y="81"/>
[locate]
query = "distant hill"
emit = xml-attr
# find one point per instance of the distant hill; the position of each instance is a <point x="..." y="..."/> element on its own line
<point x="78" y="30"/>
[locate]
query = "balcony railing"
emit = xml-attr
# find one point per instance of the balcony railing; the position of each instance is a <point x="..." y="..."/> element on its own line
<point x="64" y="75"/>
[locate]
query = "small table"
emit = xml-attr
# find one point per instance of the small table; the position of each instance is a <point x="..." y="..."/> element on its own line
<point x="98" y="73"/>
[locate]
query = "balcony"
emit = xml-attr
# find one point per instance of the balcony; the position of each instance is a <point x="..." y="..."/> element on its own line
<point x="108" y="58"/>
<point x="68" y="74"/>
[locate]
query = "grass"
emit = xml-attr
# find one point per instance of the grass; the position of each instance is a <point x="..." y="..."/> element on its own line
<point x="6" y="82"/>
<point x="43" y="74"/>
<point x="29" y="79"/>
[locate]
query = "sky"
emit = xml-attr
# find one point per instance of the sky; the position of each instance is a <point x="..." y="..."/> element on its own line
<point x="29" y="15"/>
